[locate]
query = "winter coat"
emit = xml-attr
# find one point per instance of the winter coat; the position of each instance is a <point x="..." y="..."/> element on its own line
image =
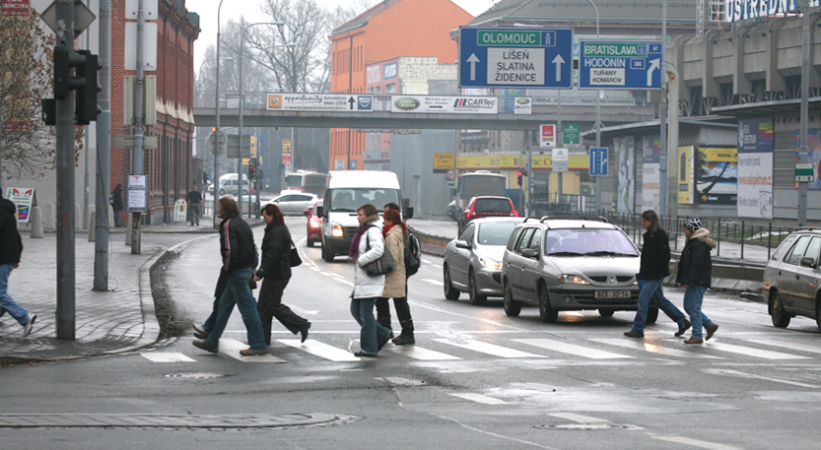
<point x="655" y="256"/>
<point x="696" y="266"/>
<point x="236" y="244"/>
<point x="395" y="280"/>
<point x="12" y="245"/>
<point x="365" y="286"/>
<point x="117" y="199"/>
<point x="276" y="254"/>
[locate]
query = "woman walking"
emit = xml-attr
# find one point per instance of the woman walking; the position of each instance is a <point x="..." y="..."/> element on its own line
<point x="394" y="232"/>
<point x="367" y="246"/>
<point x="275" y="272"/>
<point x="695" y="272"/>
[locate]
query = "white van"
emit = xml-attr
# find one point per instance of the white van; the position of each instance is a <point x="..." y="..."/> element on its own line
<point x="228" y="185"/>
<point x="345" y="191"/>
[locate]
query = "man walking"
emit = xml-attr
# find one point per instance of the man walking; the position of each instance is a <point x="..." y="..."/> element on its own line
<point x="194" y="198"/>
<point x="238" y="262"/>
<point x="695" y="272"/>
<point x="117" y="203"/>
<point x="10" y="251"/>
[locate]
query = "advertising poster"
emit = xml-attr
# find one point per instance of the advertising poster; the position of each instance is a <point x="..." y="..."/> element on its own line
<point x="685" y="175"/>
<point x="716" y="176"/>
<point x="814" y="150"/>
<point x="650" y="181"/>
<point x="547" y="136"/>
<point x="755" y="168"/>
<point x="23" y="198"/>
<point x="320" y="102"/>
<point x="448" y="105"/>
<point x="625" y="147"/>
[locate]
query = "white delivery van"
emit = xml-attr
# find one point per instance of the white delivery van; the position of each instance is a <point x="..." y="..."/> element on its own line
<point x="347" y="190"/>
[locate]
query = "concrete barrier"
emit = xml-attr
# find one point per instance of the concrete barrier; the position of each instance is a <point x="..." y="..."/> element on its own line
<point x="128" y="228"/>
<point x="36" y="221"/>
<point x="78" y="217"/>
<point x="110" y="217"/>
<point x="92" y="224"/>
<point x="50" y="222"/>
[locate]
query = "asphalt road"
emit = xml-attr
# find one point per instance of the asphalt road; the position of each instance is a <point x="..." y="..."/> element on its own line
<point x="475" y="379"/>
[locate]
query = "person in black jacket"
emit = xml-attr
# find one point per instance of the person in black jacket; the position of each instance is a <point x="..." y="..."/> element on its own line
<point x="238" y="255"/>
<point x="117" y="203"/>
<point x="275" y="272"/>
<point x="695" y="271"/>
<point x="655" y="256"/>
<point x="11" y="247"/>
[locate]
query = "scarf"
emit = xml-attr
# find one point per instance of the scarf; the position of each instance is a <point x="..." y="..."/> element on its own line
<point x="354" y="251"/>
<point x="386" y="229"/>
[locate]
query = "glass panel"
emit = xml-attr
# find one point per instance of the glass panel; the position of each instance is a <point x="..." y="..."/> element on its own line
<point x="495" y="233"/>
<point x="536" y="241"/>
<point x="813" y="248"/>
<point x="782" y="249"/>
<point x="797" y="251"/>
<point x="352" y="198"/>
<point x="467" y="233"/>
<point x="525" y="240"/>
<point x="593" y="241"/>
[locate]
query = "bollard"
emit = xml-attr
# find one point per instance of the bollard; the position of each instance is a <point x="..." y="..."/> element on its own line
<point x="769" y="241"/>
<point x="742" y="239"/>
<point x="718" y="247"/>
<point x="110" y="217"/>
<point x="128" y="231"/>
<point x="78" y="217"/>
<point x="91" y="209"/>
<point x="92" y="227"/>
<point x="36" y="220"/>
<point x="50" y="223"/>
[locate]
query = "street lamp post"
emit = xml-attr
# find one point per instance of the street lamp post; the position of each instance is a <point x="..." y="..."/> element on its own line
<point x="216" y="154"/>
<point x="217" y="145"/>
<point x="598" y="117"/>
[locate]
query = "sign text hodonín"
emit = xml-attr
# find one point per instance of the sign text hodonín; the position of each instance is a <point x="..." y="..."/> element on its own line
<point x="449" y="105"/>
<point x="620" y="65"/>
<point x="320" y="102"/>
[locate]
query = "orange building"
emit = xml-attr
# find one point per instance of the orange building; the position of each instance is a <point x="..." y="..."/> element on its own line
<point x="390" y="29"/>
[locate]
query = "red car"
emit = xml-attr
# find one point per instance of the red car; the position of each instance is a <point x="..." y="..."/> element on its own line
<point x="487" y="206"/>
<point x="314" y="224"/>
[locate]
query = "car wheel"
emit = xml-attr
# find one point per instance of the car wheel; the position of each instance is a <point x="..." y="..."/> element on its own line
<point x="473" y="291"/>
<point x="546" y="312"/>
<point x="327" y="255"/>
<point x="606" y="312"/>
<point x="222" y="192"/>
<point x="652" y="315"/>
<point x="451" y="293"/>
<point x="818" y="313"/>
<point x="244" y="192"/>
<point x="512" y="307"/>
<point x="780" y="317"/>
<point x="310" y="243"/>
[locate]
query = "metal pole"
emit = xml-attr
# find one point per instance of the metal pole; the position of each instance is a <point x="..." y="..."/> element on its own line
<point x="598" y="117"/>
<point x="559" y="142"/>
<point x="663" y="116"/>
<point x="86" y="225"/>
<point x="805" y="87"/>
<point x="65" y="187"/>
<point x="103" y="150"/>
<point x="139" y="96"/>
<point x="530" y="173"/>
<point x="219" y="145"/>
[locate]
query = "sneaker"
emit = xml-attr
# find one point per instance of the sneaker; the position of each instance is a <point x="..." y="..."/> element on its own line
<point x="634" y="334"/>
<point x="198" y="328"/>
<point x="253" y="352"/>
<point x="683" y="327"/>
<point x="711" y="331"/>
<point x="29" y="325"/>
<point x="201" y="344"/>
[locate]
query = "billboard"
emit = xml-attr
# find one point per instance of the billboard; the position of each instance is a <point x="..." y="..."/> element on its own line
<point x="320" y="102"/>
<point x="685" y="175"/>
<point x="716" y="176"/>
<point x="650" y="181"/>
<point x="625" y="147"/>
<point x="814" y="154"/>
<point x="23" y="198"/>
<point x="755" y="168"/>
<point x="447" y="105"/>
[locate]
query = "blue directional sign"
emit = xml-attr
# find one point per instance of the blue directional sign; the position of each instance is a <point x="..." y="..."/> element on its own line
<point x="516" y="58"/>
<point x="598" y="161"/>
<point x="620" y="65"/>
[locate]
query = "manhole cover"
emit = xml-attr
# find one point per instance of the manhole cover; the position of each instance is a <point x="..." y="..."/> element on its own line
<point x="197" y="375"/>
<point x="591" y="426"/>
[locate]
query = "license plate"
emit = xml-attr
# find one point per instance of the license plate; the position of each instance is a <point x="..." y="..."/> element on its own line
<point x="612" y="294"/>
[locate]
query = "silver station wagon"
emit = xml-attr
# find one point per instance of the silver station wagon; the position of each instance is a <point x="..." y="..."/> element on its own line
<point x="570" y="264"/>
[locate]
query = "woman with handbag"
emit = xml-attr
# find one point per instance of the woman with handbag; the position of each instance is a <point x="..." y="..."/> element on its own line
<point x="396" y="282"/>
<point x="368" y="252"/>
<point x="275" y="272"/>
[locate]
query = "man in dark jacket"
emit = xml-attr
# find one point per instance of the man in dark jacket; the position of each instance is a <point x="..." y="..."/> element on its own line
<point x="655" y="257"/>
<point x="11" y="247"/>
<point x="117" y="203"/>
<point x="238" y="260"/>
<point x="695" y="271"/>
<point x="194" y="198"/>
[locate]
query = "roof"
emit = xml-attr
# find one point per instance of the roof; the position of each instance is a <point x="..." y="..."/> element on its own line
<point x="362" y="19"/>
<point x="571" y="223"/>
<point x="638" y="127"/>
<point x="378" y="179"/>
<point x="610" y="11"/>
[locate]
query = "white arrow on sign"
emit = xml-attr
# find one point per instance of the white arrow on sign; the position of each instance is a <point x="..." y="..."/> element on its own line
<point x="558" y="61"/>
<point x="654" y="65"/>
<point x="473" y="60"/>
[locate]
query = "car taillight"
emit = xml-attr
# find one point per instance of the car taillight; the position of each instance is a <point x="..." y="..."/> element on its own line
<point x="472" y="214"/>
<point x="514" y="214"/>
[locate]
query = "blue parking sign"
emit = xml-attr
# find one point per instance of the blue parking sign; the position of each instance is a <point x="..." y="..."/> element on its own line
<point x="598" y="161"/>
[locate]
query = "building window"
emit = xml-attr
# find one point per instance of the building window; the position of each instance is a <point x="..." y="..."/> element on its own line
<point x="390" y="88"/>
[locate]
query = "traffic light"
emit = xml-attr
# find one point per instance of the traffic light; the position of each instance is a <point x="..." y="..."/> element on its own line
<point x="252" y="168"/>
<point x="84" y="81"/>
<point x="519" y="175"/>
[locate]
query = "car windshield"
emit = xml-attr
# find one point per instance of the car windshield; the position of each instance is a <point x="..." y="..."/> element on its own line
<point x="352" y="198"/>
<point x="501" y="205"/>
<point x="588" y="242"/>
<point x="495" y="233"/>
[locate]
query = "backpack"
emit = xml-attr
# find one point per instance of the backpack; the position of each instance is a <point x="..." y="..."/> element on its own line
<point x="413" y="255"/>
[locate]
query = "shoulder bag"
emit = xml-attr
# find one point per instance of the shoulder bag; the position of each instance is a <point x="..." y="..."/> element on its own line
<point x="382" y="266"/>
<point x="295" y="259"/>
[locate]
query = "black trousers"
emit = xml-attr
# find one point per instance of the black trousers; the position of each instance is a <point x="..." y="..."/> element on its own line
<point x="383" y="309"/>
<point x="270" y="305"/>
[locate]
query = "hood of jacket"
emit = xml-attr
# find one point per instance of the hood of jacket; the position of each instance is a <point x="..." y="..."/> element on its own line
<point x="8" y="205"/>
<point x="702" y="234"/>
<point x="371" y="219"/>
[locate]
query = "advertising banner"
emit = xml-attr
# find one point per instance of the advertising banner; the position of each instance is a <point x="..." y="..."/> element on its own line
<point x="524" y="105"/>
<point x="717" y="176"/>
<point x="625" y="147"/>
<point x="442" y="162"/>
<point x="445" y="105"/>
<point x="755" y="168"/>
<point x="547" y="136"/>
<point x="137" y="193"/>
<point x="685" y="175"/>
<point x="23" y="198"/>
<point x="650" y="174"/>
<point x="320" y="102"/>
<point x="511" y="162"/>
<point x="814" y="151"/>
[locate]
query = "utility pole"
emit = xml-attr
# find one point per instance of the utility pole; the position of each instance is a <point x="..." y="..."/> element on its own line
<point x="598" y="117"/>
<point x="663" y="116"/>
<point x="139" y="96"/>
<point x="803" y="156"/>
<point x="219" y="145"/>
<point x="530" y="173"/>
<point x="559" y="143"/>
<point x="103" y="151"/>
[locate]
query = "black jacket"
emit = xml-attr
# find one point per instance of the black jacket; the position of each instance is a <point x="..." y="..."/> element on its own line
<point x="276" y="254"/>
<point x="696" y="266"/>
<point x="11" y="245"/>
<point x="655" y="256"/>
<point x="194" y="197"/>
<point x="236" y="244"/>
<point x="117" y="199"/>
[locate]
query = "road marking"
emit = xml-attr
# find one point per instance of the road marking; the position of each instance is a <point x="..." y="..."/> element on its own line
<point x="696" y="443"/>
<point x="749" y="351"/>
<point x="789" y="345"/>
<point x="231" y="348"/>
<point x="299" y="310"/>
<point x="319" y="349"/>
<point x="422" y="354"/>
<point x="166" y="357"/>
<point x="427" y="261"/>
<point x="578" y="418"/>
<point x="490" y="349"/>
<point x="760" y="377"/>
<point x="652" y="348"/>
<point x="577" y="350"/>
<point x="436" y="282"/>
<point x="399" y="381"/>
<point x="479" y="398"/>
<point x="436" y="265"/>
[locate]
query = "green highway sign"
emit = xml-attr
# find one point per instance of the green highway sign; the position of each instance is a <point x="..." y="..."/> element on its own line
<point x="501" y="38"/>
<point x="571" y="133"/>
<point x="622" y="50"/>
<point x="804" y="173"/>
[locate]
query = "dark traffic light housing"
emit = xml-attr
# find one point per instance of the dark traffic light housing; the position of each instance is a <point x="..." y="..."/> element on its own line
<point x="519" y="175"/>
<point x="84" y="81"/>
<point x="252" y="168"/>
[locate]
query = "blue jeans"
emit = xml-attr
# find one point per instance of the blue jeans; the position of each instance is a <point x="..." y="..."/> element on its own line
<point x="693" y="298"/>
<point x="238" y="292"/>
<point x="651" y="294"/>
<point x="372" y="332"/>
<point x="20" y="314"/>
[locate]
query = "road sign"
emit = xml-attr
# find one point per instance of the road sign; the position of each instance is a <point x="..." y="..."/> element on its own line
<point x="451" y="175"/>
<point x="516" y="57"/>
<point x="620" y="65"/>
<point x="237" y="149"/>
<point x="520" y="162"/>
<point x="561" y="160"/>
<point x="598" y="162"/>
<point x="451" y="184"/>
<point x="804" y="173"/>
<point x="571" y="134"/>
<point x="547" y="136"/>
<point x="124" y="141"/>
<point x="442" y="162"/>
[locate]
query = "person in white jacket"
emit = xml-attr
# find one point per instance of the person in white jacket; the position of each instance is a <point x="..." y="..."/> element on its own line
<point x="367" y="246"/>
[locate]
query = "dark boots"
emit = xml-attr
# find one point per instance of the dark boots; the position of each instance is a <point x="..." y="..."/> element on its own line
<point x="406" y="338"/>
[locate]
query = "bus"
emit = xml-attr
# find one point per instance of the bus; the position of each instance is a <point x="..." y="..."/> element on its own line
<point x="311" y="182"/>
<point x="481" y="182"/>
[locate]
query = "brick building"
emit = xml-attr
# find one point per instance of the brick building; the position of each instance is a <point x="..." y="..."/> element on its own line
<point x="390" y="29"/>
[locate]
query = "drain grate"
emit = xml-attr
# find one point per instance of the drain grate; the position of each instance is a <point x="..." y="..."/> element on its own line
<point x="197" y="375"/>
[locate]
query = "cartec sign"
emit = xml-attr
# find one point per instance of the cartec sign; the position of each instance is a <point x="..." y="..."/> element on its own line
<point x="620" y="65"/>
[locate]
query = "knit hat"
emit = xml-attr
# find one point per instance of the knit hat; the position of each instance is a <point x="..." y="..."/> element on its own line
<point x="693" y="224"/>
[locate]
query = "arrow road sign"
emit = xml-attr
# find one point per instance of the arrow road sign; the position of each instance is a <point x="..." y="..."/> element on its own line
<point x="630" y="65"/>
<point x="598" y="161"/>
<point x="472" y="61"/>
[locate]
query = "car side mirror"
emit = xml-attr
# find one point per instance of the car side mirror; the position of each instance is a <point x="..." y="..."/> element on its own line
<point x="307" y="212"/>
<point x="408" y="213"/>
<point x="529" y="253"/>
<point x="463" y="244"/>
<point x="808" y="262"/>
<point x="320" y="211"/>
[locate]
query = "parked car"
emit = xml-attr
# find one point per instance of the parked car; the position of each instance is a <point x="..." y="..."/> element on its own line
<point x="314" y="225"/>
<point x="473" y="261"/>
<point x="293" y="203"/>
<point x="454" y="210"/>
<point x="486" y="206"/>
<point x="791" y="278"/>
<point x="228" y="185"/>
<point x="567" y="265"/>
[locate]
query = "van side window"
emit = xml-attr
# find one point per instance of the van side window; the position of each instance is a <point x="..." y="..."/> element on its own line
<point x="797" y="251"/>
<point x="511" y="242"/>
<point x="782" y="249"/>
<point x="813" y="249"/>
<point x="536" y="241"/>
<point x="525" y="240"/>
<point x="467" y="234"/>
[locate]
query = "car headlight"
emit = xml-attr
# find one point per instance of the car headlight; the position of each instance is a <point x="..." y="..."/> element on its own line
<point x="572" y="279"/>
<point x="337" y="230"/>
<point x="490" y="264"/>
